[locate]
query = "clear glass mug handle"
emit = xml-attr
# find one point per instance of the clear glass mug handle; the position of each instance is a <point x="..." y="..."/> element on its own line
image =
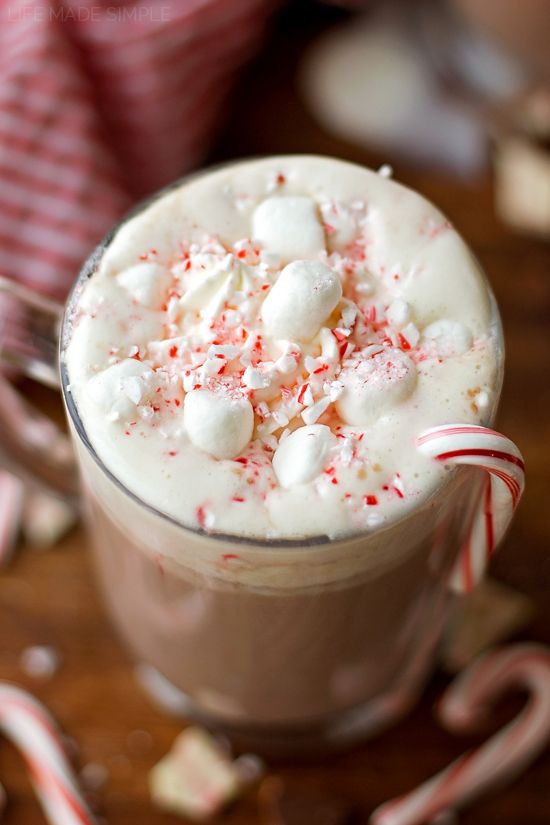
<point x="31" y="444"/>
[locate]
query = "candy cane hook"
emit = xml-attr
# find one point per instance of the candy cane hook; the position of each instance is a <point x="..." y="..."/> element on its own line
<point x="476" y="446"/>
<point x="30" y="727"/>
<point x="503" y="756"/>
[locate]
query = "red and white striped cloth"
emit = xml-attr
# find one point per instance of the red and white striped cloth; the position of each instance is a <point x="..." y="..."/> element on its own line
<point x="102" y="102"/>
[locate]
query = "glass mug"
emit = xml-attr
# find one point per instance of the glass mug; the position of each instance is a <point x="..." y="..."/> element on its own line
<point x="283" y="645"/>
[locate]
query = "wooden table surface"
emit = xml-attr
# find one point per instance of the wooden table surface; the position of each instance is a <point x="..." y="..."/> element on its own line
<point x="49" y="598"/>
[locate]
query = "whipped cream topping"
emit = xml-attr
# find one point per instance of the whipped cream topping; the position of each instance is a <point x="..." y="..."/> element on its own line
<point x="257" y="358"/>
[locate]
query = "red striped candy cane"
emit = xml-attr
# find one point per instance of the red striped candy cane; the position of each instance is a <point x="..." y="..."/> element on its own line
<point x="500" y="759"/>
<point x="29" y="726"/>
<point x="477" y="446"/>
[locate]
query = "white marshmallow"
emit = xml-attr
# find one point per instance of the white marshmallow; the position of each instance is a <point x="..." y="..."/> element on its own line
<point x="374" y="385"/>
<point x="219" y="424"/>
<point x="302" y="455"/>
<point x="446" y="338"/>
<point x="118" y="389"/>
<point x="146" y="283"/>
<point x="289" y="227"/>
<point x="302" y="298"/>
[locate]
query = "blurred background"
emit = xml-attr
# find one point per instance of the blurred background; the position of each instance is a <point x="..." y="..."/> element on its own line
<point x="102" y="103"/>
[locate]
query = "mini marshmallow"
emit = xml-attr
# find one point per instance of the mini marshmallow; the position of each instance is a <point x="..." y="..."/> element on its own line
<point x="445" y="338"/>
<point x="119" y="388"/>
<point x="374" y="385"/>
<point x="217" y="423"/>
<point x="146" y="283"/>
<point x="302" y="455"/>
<point x="289" y="227"/>
<point x="302" y="298"/>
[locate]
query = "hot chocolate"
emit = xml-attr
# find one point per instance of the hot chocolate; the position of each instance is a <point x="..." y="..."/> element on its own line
<point x="252" y="357"/>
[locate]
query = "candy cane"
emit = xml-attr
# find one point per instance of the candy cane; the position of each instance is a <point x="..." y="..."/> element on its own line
<point x="29" y="726"/>
<point x="480" y="447"/>
<point x="500" y="759"/>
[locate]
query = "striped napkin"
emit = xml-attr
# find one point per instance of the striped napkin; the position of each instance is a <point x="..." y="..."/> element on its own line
<point x="101" y="103"/>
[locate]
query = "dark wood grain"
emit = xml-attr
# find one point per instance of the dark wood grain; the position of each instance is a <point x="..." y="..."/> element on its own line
<point x="49" y="598"/>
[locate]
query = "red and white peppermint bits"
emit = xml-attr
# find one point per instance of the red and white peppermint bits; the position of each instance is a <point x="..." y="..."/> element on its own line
<point x="30" y="727"/>
<point x="504" y="755"/>
<point x="477" y="446"/>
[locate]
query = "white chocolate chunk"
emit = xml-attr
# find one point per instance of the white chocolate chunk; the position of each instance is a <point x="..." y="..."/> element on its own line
<point x="302" y="298"/>
<point x="289" y="227"/>
<point x="446" y="338"/>
<point x="302" y="455"/>
<point x="146" y="283"/>
<point x="375" y="385"/>
<point x="219" y="424"/>
<point x="117" y="390"/>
